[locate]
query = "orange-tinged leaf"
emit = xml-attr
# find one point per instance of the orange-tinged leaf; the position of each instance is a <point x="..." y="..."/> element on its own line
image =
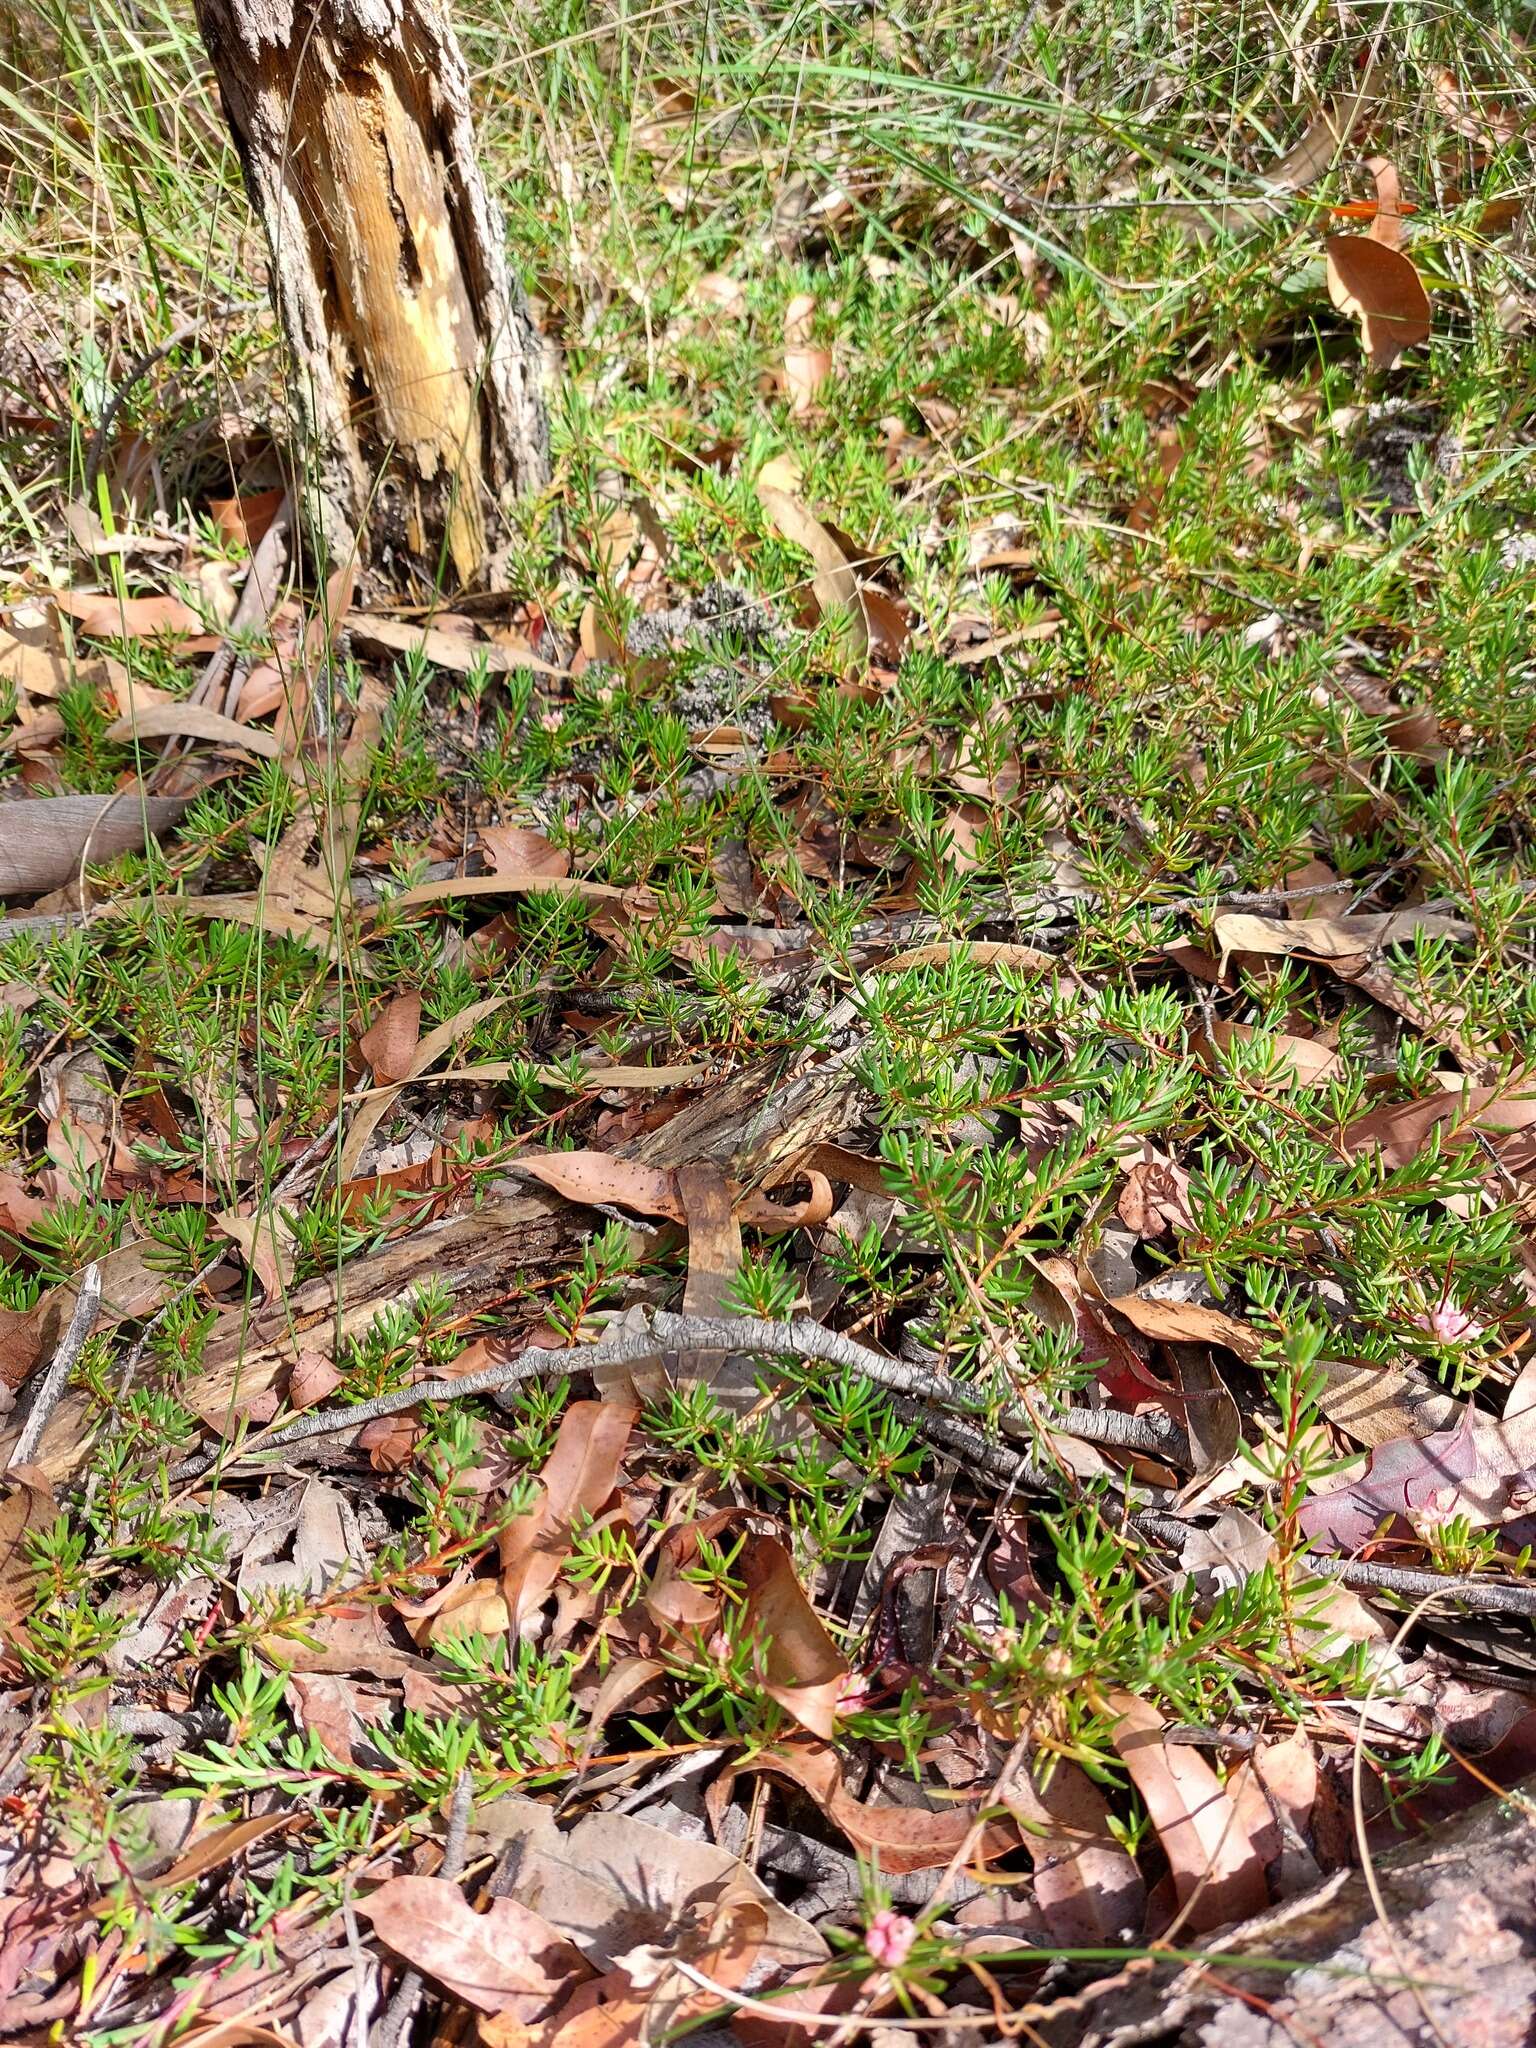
<point x="1218" y="1875"/>
<point x="580" y="1475"/>
<point x="26" y="1509"/>
<point x="1187" y="1322"/>
<point x="806" y="370"/>
<point x="389" y="1044"/>
<point x="905" y="1838"/>
<point x="801" y="1666"/>
<point x="245" y="521"/>
<point x="517" y="849"/>
<point x="1380" y="288"/>
<point x="108" y="617"/>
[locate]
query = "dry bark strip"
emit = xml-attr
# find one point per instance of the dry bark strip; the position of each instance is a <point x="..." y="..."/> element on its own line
<point x="414" y="362"/>
<point x="1451" y="1958"/>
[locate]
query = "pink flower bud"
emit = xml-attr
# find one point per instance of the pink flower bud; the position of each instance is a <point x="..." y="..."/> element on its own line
<point x="1448" y="1323"/>
<point x="889" y="1938"/>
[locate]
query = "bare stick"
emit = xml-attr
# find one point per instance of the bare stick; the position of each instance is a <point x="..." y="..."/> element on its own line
<point x="50" y="1388"/>
<point x="1478" y="1596"/>
<point x="401" y="2010"/>
<point x="669" y="1340"/>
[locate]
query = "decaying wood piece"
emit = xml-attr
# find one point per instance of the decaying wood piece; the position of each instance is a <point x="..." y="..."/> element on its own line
<point x="479" y="1258"/>
<point x="414" y="365"/>
<point x="1451" y="1961"/>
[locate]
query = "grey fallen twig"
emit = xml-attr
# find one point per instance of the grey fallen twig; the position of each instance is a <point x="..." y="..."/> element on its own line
<point x="401" y="2010"/>
<point x="1478" y="1596"/>
<point x="668" y="1340"/>
<point x="50" y="1388"/>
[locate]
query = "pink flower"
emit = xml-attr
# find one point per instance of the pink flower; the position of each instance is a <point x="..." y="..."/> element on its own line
<point x="889" y="1938"/>
<point x="1448" y="1323"/>
<point x="855" y="1693"/>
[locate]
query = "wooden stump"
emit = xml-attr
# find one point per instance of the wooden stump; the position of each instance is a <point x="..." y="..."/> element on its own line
<point x="414" y="366"/>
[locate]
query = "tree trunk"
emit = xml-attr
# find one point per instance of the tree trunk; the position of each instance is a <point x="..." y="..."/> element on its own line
<point x="414" y="366"/>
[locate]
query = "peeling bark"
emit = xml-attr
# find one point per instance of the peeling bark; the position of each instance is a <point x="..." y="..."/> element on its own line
<point x="414" y="365"/>
<point x="1451" y="1965"/>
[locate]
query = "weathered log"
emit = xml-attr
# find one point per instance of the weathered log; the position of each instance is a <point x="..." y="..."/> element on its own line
<point x="1449" y="1962"/>
<point x="414" y="365"/>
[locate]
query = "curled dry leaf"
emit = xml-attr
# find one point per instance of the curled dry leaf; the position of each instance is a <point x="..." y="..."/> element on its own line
<point x="1155" y="1198"/>
<point x="245" y="520"/>
<point x="518" y="850"/>
<point x="800" y="1666"/>
<point x="1087" y="1887"/>
<point x="44" y="840"/>
<point x="1379" y="287"/>
<point x="458" y="652"/>
<point x="267" y="1241"/>
<point x="602" y="1178"/>
<point x="580" y="1475"/>
<point x="105" y="616"/>
<point x="25" y="1510"/>
<point x="1187" y="1322"/>
<point x="834" y="586"/>
<point x="20" y="1342"/>
<point x="508" y="1959"/>
<point x="1296" y="1062"/>
<point x="195" y="722"/>
<point x="613" y="1881"/>
<point x="904" y="1838"/>
<point x="1478" y="1469"/>
<point x="1218" y="1874"/>
<point x="371" y="1112"/>
<point x="1330" y="938"/>
<point x="1401" y="1130"/>
<point x="389" y="1044"/>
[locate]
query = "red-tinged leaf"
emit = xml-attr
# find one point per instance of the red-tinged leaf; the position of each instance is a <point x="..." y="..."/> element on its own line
<point x="1218" y="1876"/>
<point x="580" y="1475"/>
<point x="108" y="617"/>
<point x="505" y="1960"/>
<point x="389" y="1044"/>
<point x="1380" y="288"/>
<point x="801" y="1666"/>
<point x="1087" y="1887"/>
<point x="516" y="849"/>
<point x="1404" y="1479"/>
<point x="905" y="1838"/>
